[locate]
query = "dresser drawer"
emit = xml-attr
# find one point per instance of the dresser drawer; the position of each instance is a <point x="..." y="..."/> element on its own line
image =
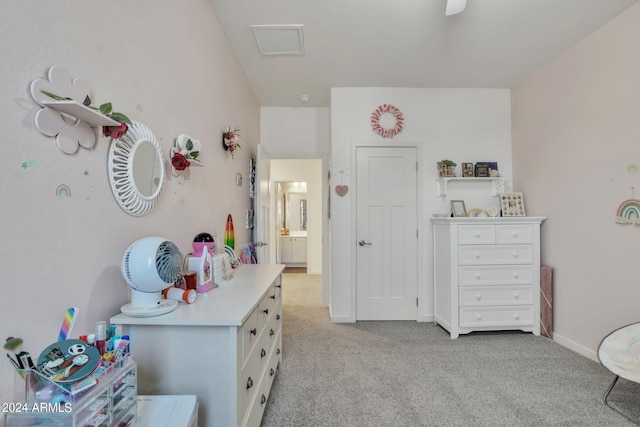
<point x="250" y="334"/>
<point x="471" y="296"/>
<point x="495" y="275"/>
<point x="256" y="409"/>
<point x="477" y="234"/>
<point x="498" y="254"/>
<point x="274" y="325"/>
<point x="513" y="316"/>
<point x="251" y="373"/>
<point x="514" y="234"/>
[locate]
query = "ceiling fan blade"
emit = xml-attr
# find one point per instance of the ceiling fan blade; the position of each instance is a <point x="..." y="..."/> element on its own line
<point x="455" y="6"/>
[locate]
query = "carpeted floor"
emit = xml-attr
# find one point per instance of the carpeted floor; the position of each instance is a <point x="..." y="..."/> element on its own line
<point x="412" y="374"/>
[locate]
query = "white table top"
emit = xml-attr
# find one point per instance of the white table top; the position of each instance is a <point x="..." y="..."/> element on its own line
<point x="167" y="411"/>
<point x="227" y="305"/>
<point x="620" y="352"/>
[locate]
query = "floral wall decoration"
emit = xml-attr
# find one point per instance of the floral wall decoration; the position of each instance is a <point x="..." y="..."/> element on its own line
<point x="184" y="154"/>
<point x="231" y="139"/>
<point x="387" y="132"/>
<point x="67" y="112"/>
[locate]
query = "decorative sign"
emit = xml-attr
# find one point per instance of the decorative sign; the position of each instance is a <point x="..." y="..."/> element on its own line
<point x="342" y="190"/>
<point x="379" y="129"/>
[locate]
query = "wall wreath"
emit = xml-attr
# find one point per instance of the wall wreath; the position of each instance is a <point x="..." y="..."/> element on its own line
<point x="379" y="129"/>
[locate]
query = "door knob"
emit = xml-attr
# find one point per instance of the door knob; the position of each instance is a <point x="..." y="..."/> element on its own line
<point x="363" y="243"/>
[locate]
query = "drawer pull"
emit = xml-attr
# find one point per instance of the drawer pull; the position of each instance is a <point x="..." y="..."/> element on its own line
<point x="477" y="275"/>
<point x="254" y="331"/>
<point x="271" y="372"/>
<point x="265" y="311"/>
<point x="263" y="353"/>
<point x="477" y="234"/>
<point x="273" y="297"/>
<point x="478" y="316"/>
<point x="278" y="286"/>
<point x="271" y="333"/>
<point x="516" y="296"/>
<point x="516" y="316"/>
<point x="249" y="383"/>
<point x="277" y="317"/>
<point x="477" y="255"/>
<point x="278" y="351"/>
<point x="515" y="254"/>
<point x="263" y="399"/>
<point x="515" y="234"/>
<point x="478" y="297"/>
<point x="515" y="274"/>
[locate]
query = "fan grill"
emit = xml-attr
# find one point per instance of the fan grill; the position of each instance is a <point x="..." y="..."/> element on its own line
<point x="168" y="261"/>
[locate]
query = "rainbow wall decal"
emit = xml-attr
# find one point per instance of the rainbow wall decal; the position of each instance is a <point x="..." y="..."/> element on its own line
<point x="629" y="212"/>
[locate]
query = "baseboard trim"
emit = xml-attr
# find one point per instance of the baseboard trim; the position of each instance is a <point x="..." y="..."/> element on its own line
<point x="574" y="346"/>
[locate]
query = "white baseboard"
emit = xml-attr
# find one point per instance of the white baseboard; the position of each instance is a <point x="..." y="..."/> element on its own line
<point x="340" y="319"/>
<point x="571" y="345"/>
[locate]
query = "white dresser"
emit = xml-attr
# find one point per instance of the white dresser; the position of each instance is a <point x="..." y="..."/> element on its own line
<point x="225" y="348"/>
<point x="487" y="274"/>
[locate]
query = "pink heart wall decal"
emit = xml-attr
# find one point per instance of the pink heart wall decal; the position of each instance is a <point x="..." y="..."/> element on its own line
<point x="342" y="190"/>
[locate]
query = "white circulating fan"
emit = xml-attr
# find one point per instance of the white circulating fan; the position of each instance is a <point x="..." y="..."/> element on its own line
<point x="150" y="265"/>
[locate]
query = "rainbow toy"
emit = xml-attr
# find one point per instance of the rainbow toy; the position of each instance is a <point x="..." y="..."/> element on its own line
<point x="229" y="235"/>
<point x="629" y="212"/>
<point x="67" y="323"/>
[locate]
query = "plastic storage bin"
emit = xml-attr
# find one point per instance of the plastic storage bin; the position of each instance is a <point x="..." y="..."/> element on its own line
<point x="107" y="399"/>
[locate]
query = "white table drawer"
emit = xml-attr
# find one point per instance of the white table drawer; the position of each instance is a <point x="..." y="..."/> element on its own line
<point x="512" y="316"/>
<point x="495" y="295"/>
<point x="498" y="254"/>
<point x="469" y="275"/>
<point x="514" y="234"/>
<point x="477" y="234"/>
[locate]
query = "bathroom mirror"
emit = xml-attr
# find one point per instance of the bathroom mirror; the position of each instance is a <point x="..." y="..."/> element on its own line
<point x="292" y="206"/>
<point x="136" y="170"/>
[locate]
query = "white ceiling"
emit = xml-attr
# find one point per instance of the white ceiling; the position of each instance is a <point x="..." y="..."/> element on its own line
<point x="405" y="43"/>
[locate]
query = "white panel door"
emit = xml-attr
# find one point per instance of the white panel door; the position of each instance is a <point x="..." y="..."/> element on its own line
<point x="261" y="214"/>
<point x="386" y="231"/>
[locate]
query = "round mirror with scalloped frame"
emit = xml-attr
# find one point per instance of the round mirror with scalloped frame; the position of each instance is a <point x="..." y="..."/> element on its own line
<point x="136" y="170"/>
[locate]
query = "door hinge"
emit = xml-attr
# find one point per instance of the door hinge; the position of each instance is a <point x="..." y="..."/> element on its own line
<point x="416" y="302"/>
<point x="416" y="166"/>
<point x="417" y="236"/>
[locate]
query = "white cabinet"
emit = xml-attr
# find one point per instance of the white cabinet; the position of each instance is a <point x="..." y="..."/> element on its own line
<point x="225" y="348"/>
<point x="487" y="274"/>
<point x="293" y="250"/>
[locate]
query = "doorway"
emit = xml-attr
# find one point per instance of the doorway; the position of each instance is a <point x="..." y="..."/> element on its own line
<point x="292" y="224"/>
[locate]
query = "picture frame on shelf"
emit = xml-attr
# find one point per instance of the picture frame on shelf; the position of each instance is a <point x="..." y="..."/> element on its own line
<point x="467" y="170"/>
<point x="512" y="204"/>
<point x="486" y="169"/>
<point x="481" y="170"/>
<point x="458" y="208"/>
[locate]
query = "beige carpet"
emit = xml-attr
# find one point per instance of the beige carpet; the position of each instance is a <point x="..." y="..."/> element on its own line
<point x="413" y="374"/>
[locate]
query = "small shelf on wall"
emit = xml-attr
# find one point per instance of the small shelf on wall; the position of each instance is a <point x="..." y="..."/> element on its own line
<point x="81" y="112"/>
<point x="497" y="184"/>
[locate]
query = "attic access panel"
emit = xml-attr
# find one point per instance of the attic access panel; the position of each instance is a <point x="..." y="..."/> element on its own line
<point x="279" y="39"/>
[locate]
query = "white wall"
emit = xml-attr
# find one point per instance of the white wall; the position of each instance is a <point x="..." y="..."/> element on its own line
<point x="464" y="125"/>
<point x="166" y="64"/>
<point x="575" y="134"/>
<point x="308" y="170"/>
